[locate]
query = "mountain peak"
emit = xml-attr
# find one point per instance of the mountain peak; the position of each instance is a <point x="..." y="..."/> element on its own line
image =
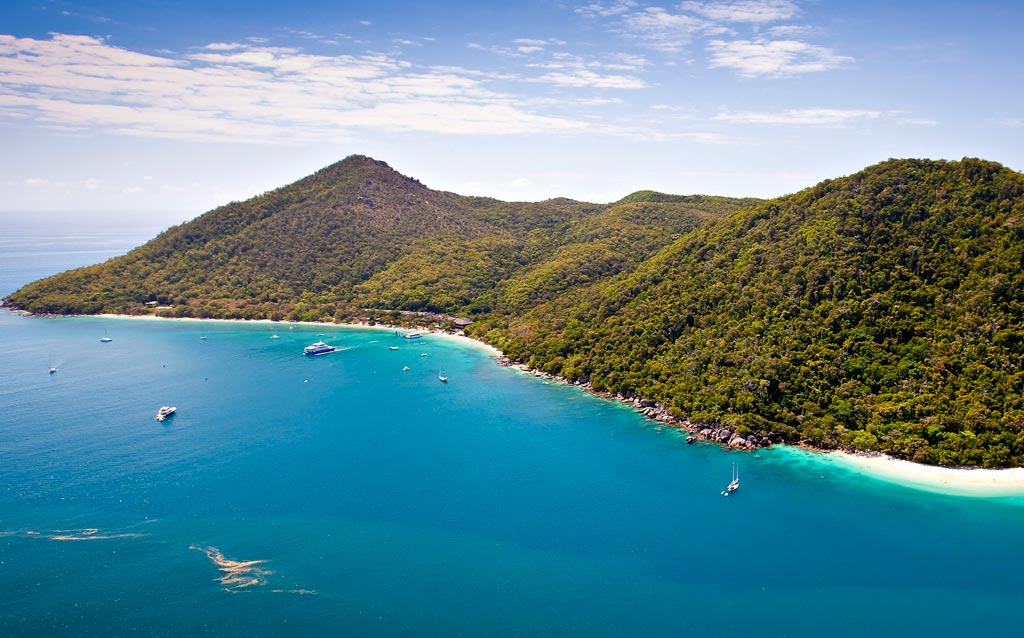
<point x="365" y="168"/>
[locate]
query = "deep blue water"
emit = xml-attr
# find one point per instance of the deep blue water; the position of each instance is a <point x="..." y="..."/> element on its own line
<point x="384" y="503"/>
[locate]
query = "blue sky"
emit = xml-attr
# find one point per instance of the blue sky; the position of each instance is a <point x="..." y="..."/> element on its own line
<point x="172" y="108"/>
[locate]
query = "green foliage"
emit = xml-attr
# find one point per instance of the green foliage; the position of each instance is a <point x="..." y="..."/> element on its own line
<point x="882" y="311"/>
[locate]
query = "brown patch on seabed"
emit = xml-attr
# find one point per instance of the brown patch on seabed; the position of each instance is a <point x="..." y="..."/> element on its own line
<point x="239" y="575"/>
<point x="87" y="534"/>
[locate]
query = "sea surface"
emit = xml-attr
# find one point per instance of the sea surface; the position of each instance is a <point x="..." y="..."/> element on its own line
<point x="344" y="496"/>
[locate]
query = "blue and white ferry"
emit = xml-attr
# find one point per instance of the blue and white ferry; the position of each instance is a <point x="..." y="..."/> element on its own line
<point x="318" y="348"/>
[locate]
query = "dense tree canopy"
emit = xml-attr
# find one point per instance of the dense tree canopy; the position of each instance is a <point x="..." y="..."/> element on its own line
<point x="881" y="311"/>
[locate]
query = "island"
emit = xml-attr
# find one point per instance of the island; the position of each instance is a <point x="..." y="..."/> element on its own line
<point x="877" y="312"/>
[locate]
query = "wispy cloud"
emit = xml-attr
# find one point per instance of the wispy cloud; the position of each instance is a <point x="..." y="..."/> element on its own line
<point x="773" y="58"/>
<point x="768" y="51"/>
<point x="566" y="69"/>
<point x="758" y="11"/>
<point x="581" y="77"/>
<point x="827" y="118"/>
<point x="248" y="93"/>
<point x="605" y="9"/>
<point x="663" y="30"/>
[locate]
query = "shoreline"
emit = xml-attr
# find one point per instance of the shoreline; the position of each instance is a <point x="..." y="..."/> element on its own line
<point x="359" y="325"/>
<point x="954" y="481"/>
<point x="958" y="481"/>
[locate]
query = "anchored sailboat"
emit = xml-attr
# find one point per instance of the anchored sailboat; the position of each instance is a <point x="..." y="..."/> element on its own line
<point x="735" y="483"/>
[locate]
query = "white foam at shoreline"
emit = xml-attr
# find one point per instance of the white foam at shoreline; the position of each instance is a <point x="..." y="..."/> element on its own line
<point x="972" y="482"/>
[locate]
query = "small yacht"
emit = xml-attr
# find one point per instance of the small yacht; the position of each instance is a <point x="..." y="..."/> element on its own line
<point x="318" y="349"/>
<point x="413" y="335"/>
<point x="442" y="378"/>
<point x="53" y="369"/>
<point x="735" y="483"/>
<point x="405" y="368"/>
<point x="392" y="347"/>
<point x="105" y="338"/>
<point x="275" y="335"/>
<point x="165" y="411"/>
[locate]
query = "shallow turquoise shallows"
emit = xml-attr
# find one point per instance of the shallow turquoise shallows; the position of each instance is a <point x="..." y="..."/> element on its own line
<point x="344" y="496"/>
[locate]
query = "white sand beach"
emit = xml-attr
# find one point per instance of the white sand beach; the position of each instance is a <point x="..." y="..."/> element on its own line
<point x="432" y="332"/>
<point x="944" y="480"/>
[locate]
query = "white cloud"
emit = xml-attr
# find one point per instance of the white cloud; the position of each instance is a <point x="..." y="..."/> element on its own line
<point x="601" y="9"/>
<point x="520" y="182"/>
<point x="661" y="30"/>
<point x="223" y="46"/>
<point x="579" y="77"/>
<point x="246" y="93"/>
<point x="790" y="31"/>
<point x="529" y="41"/>
<point x="828" y="118"/>
<point x="774" y="58"/>
<point x="757" y="11"/>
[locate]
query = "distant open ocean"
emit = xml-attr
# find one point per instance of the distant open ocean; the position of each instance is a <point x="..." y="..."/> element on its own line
<point x="344" y="496"/>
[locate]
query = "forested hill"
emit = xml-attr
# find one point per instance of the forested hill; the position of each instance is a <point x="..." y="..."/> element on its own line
<point x="881" y="311"/>
<point x="357" y="235"/>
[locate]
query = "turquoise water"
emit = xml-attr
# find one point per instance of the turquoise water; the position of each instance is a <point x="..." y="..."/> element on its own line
<point x="383" y="502"/>
<point x="341" y="495"/>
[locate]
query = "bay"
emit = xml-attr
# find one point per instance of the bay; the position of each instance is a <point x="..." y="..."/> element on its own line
<point x="343" y="495"/>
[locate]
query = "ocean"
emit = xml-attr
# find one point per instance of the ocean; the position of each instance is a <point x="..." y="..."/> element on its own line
<point x="343" y="495"/>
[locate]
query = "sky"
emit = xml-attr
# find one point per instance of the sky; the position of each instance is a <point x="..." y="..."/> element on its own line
<point x="173" y="107"/>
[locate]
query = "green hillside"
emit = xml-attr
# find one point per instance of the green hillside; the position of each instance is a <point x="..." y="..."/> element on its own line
<point x="358" y="235"/>
<point x="881" y="311"/>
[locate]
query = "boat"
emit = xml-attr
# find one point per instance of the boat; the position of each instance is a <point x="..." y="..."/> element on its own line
<point x="392" y="347"/>
<point x="405" y="368"/>
<point x="735" y="483"/>
<point x="318" y="349"/>
<point x="105" y="338"/>
<point x="53" y="369"/>
<point x="413" y="335"/>
<point x="275" y="335"/>
<point x="442" y="378"/>
<point x="165" y="411"/>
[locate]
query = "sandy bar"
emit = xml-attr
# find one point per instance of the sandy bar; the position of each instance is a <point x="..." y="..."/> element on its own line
<point x="944" y="480"/>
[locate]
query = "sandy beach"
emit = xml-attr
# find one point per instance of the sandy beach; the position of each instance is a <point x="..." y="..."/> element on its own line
<point x="433" y="332"/>
<point x="975" y="482"/>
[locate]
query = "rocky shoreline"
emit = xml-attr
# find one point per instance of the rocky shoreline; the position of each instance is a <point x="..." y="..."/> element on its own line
<point x="700" y="431"/>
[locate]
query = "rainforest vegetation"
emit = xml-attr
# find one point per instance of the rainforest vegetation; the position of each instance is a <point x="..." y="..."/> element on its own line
<point x="879" y="311"/>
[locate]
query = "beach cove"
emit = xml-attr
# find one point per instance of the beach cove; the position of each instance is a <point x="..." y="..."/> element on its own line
<point x="966" y="482"/>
